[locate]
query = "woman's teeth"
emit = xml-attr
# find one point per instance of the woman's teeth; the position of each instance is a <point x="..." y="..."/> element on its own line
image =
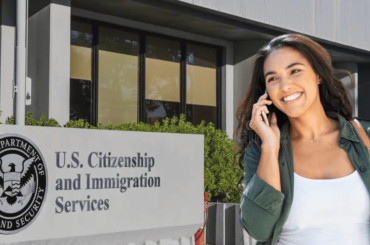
<point x="292" y="97"/>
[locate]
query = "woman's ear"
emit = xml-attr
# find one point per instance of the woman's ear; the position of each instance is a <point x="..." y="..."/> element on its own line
<point x="318" y="79"/>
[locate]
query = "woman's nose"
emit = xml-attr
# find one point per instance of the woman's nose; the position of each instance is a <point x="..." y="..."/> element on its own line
<point x="286" y="83"/>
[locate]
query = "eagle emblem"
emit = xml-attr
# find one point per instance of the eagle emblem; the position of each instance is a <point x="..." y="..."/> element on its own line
<point x="16" y="180"/>
<point x="23" y="182"/>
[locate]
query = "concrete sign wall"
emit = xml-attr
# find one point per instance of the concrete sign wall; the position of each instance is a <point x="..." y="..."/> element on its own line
<point x="99" y="187"/>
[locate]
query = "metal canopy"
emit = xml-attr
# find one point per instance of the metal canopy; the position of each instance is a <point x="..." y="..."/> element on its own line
<point x="156" y="15"/>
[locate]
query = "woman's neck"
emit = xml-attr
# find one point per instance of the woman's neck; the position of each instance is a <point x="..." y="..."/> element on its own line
<point x="310" y="125"/>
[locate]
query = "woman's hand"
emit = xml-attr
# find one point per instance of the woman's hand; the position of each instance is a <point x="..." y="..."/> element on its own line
<point x="268" y="168"/>
<point x="270" y="136"/>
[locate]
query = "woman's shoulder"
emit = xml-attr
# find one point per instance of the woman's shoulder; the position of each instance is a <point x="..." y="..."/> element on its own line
<point x="365" y="124"/>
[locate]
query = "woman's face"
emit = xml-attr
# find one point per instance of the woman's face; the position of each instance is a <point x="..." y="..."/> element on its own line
<point x="291" y="82"/>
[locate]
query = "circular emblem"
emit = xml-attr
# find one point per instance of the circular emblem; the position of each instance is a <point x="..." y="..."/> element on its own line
<point x="23" y="182"/>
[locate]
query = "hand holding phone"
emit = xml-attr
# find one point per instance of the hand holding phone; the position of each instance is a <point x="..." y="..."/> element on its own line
<point x="268" y="131"/>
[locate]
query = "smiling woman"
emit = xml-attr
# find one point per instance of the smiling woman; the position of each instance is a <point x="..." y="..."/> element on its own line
<point x="310" y="151"/>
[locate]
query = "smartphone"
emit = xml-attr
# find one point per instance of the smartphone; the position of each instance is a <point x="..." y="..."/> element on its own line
<point x="264" y="114"/>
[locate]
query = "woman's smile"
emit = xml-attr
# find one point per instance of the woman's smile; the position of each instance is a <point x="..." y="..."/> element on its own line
<point x="292" y="97"/>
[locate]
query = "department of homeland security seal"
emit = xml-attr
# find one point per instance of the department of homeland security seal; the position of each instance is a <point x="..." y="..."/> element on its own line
<point x="23" y="182"/>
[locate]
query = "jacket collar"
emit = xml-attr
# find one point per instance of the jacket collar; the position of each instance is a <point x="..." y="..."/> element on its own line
<point x="346" y="129"/>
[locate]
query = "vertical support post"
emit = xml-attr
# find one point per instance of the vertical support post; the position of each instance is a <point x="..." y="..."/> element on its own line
<point x="183" y="78"/>
<point x="59" y="60"/>
<point x="142" y="105"/>
<point x="20" y="73"/>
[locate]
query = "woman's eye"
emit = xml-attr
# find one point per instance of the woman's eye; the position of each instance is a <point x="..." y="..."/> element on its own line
<point x="295" y="71"/>
<point x="272" y="79"/>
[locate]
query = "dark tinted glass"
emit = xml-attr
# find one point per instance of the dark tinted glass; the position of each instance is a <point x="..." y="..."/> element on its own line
<point x="80" y="100"/>
<point x="81" y="71"/>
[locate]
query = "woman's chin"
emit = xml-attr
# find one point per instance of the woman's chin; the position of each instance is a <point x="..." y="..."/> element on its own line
<point x="293" y="112"/>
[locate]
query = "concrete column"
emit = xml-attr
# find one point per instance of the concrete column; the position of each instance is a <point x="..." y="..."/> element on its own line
<point x="49" y="61"/>
<point x="345" y="78"/>
<point x="227" y="91"/>
<point x="59" y="75"/>
<point x="244" y="55"/>
<point x="38" y="61"/>
<point x="7" y="57"/>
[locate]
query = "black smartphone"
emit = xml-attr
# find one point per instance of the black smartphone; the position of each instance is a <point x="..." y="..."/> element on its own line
<point x="271" y="107"/>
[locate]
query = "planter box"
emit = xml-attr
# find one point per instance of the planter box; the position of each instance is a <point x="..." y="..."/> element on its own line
<point x="223" y="227"/>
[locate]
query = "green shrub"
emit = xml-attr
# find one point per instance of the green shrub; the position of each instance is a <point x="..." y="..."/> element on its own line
<point x="30" y="121"/>
<point x="220" y="176"/>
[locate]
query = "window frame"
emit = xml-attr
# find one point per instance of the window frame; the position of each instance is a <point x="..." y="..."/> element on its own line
<point x="142" y="56"/>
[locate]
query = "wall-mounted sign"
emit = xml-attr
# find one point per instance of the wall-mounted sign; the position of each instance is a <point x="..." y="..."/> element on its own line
<point x="23" y="182"/>
<point x="98" y="186"/>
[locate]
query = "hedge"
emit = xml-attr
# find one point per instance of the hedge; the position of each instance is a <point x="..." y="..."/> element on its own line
<point x="220" y="175"/>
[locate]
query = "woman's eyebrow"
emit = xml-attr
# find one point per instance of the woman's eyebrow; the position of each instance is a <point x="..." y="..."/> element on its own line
<point x="289" y="66"/>
<point x="269" y="73"/>
<point x="293" y="64"/>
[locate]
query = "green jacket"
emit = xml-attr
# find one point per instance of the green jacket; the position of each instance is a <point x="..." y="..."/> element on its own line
<point x="263" y="209"/>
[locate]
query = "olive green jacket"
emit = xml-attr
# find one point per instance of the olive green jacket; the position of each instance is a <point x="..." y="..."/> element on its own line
<point x="263" y="209"/>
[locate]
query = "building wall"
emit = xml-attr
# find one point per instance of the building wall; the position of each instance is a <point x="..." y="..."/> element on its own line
<point x="49" y="44"/>
<point x="49" y="62"/>
<point x="342" y="21"/>
<point x="39" y="61"/>
<point x="59" y="75"/>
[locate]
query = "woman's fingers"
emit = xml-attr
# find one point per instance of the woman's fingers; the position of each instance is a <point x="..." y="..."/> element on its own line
<point x="257" y="110"/>
<point x="264" y="102"/>
<point x="264" y="96"/>
<point x="273" y="119"/>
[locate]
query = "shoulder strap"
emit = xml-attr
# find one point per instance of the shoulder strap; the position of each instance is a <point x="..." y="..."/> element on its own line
<point x="361" y="131"/>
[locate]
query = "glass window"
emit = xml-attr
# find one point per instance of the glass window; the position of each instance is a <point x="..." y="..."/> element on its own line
<point x="81" y="71"/>
<point x="106" y="71"/>
<point x="201" y="84"/>
<point x="162" y="78"/>
<point x="118" y="76"/>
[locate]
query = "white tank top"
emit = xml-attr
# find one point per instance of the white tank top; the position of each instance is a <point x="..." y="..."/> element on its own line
<point x="328" y="211"/>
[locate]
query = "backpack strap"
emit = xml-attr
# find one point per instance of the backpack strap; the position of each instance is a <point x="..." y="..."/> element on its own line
<point x="361" y="131"/>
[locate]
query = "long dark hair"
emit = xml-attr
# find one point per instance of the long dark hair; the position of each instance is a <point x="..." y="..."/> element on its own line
<point x="333" y="95"/>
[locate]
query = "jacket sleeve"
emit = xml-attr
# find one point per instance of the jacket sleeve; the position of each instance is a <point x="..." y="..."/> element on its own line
<point x="261" y="204"/>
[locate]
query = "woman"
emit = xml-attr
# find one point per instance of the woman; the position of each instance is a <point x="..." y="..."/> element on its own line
<point x="307" y="173"/>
